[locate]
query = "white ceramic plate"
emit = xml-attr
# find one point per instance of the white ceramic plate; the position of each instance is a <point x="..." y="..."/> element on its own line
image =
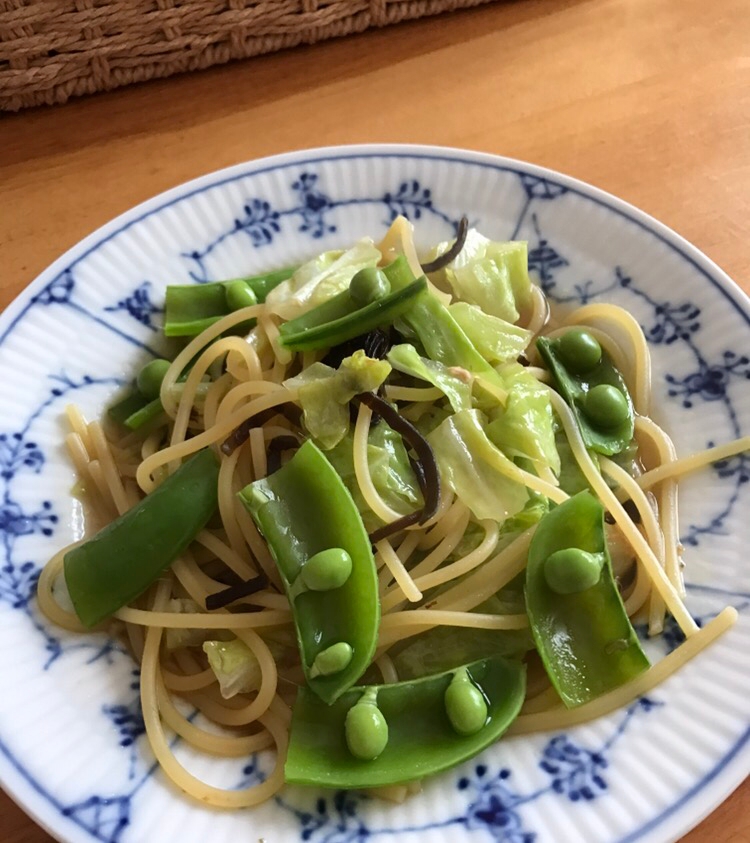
<point x="72" y="749"/>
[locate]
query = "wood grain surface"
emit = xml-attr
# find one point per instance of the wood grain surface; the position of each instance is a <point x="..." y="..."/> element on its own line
<point x="648" y="99"/>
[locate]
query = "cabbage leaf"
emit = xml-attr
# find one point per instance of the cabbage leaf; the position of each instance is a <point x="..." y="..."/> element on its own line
<point x="525" y="427"/>
<point x="235" y="666"/>
<point x="405" y="359"/>
<point x="495" y="339"/>
<point x="390" y="470"/>
<point x="325" y="393"/>
<point x="490" y="274"/>
<point x="475" y="469"/>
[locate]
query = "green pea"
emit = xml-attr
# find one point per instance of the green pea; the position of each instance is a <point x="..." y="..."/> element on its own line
<point x="465" y="704"/>
<point x="150" y="377"/>
<point x="238" y="295"/>
<point x="572" y="570"/>
<point x="606" y="406"/>
<point x="579" y="350"/>
<point x="369" y="285"/>
<point x="365" y="728"/>
<point x="327" y="570"/>
<point x="332" y="660"/>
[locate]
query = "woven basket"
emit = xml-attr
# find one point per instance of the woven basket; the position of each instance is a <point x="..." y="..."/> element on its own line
<point x="51" y="50"/>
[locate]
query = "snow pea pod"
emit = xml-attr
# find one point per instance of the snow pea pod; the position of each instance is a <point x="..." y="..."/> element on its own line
<point x="122" y="560"/>
<point x="135" y="410"/>
<point x="191" y="308"/>
<point x="342" y="318"/>
<point x="582" y="632"/>
<point x="141" y="404"/>
<point x="438" y="649"/>
<point x="387" y="734"/>
<point x="439" y="333"/>
<point x="593" y="387"/>
<point x="320" y="545"/>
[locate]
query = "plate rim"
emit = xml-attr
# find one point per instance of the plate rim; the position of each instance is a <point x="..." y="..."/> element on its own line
<point x="734" y="767"/>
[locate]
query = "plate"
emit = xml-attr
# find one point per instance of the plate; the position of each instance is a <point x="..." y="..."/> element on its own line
<point x="72" y="747"/>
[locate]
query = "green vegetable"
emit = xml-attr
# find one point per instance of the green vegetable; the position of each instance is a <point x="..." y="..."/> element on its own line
<point x="144" y="415"/>
<point x="465" y="704"/>
<point x="437" y="331"/>
<point x="264" y="284"/>
<point x="369" y="285"/>
<point x="579" y="351"/>
<point x="340" y="319"/>
<point x="495" y="339"/>
<point x="627" y="459"/>
<point x="405" y="359"/>
<point x="303" y="509"/>
<point x="606" y="407"/>
<point x="431" y="419"/>
<point x="584" y="638"/>
<point x="398" y="272"/>
<point x="320" y="279"/>
<point x="191" y="308"/>
<point x="571" y="570"/>
<point x="510" y="600"/>
<point x="135" y="410"/>
<point x="605" y="416"/>
<point x="131" y="403"/>
<point x="525" y="427"/>
<point x="142" y="404"/>
<point x="390" y="470"/>
<point x="441" y="648"/>
<point x="332" y="660"/>
<point x="572" y="479"/>
<point x="365" y="727"/>
<point x="327" y="743"/>
<point x="325" y="393"/>
<point x="239" y="294"/>
<point x="535" y="508"/>
<point x="475" y="469"/>
<point x="492" y="275"/>
<point x="122" y="560"/>
<point x="235" y="666"/>
<point x="328" y="569"/>
<point x="150" y="377"/>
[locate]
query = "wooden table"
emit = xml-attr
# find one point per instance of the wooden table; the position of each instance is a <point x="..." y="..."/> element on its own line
<point x="648" y="99"/>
